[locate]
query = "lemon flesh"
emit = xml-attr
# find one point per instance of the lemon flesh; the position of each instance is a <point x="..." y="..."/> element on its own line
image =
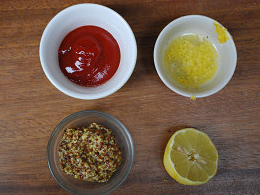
<point x="190" y="157"/>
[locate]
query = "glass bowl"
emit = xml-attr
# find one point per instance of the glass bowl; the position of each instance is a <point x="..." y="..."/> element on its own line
<point x="84" y="119"/>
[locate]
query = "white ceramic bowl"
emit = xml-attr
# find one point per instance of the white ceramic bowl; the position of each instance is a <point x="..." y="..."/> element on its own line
<point x="81" y="15"/>
<point x="203" y="26"/>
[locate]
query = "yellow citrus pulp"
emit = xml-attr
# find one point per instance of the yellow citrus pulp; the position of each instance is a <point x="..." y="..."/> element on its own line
<point x="190" y="157"/>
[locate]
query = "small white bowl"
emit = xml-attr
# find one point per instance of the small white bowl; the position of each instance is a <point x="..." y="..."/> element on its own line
<point x="81" y="15"/>
<point x="202" y="26"/>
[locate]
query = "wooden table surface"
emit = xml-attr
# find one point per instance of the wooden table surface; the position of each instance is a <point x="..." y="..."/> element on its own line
<point x="31" y="107"/>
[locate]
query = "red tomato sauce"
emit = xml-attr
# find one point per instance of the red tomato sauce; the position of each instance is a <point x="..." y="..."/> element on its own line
<point x="89" y="56"/>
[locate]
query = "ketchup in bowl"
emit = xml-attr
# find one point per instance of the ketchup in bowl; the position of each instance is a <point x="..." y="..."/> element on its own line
<point x="89" y="56"/>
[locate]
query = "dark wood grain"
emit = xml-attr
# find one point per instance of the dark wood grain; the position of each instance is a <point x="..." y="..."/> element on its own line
<point x="31" y="106"/>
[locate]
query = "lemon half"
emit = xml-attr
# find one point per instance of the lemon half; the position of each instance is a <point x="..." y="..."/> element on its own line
<point x="190" y="157"/>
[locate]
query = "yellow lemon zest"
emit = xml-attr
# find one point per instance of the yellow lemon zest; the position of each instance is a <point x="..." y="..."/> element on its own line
<point x="193" y="97"/>
<point x="222" y="33"/>
<point x="191" y="60"/>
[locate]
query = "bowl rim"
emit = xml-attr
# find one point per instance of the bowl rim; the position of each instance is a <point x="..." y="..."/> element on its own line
<point x="172" y="87"/>
<point x="77" y="94"/>
<point x="89" y="112"/>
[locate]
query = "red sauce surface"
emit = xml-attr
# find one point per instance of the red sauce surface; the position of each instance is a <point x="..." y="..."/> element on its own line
<point x="89" y="56"/>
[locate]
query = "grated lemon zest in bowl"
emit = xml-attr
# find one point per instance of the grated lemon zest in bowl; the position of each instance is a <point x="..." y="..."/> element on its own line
<point x="222" y="33"/>
<point x="191" y="60"/>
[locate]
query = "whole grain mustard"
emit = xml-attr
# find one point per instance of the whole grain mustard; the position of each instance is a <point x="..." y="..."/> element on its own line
<point x="89" y="153"/>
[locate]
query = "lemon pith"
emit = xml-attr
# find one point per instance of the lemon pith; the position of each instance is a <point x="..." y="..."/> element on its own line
<point x="190" y="157"/>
